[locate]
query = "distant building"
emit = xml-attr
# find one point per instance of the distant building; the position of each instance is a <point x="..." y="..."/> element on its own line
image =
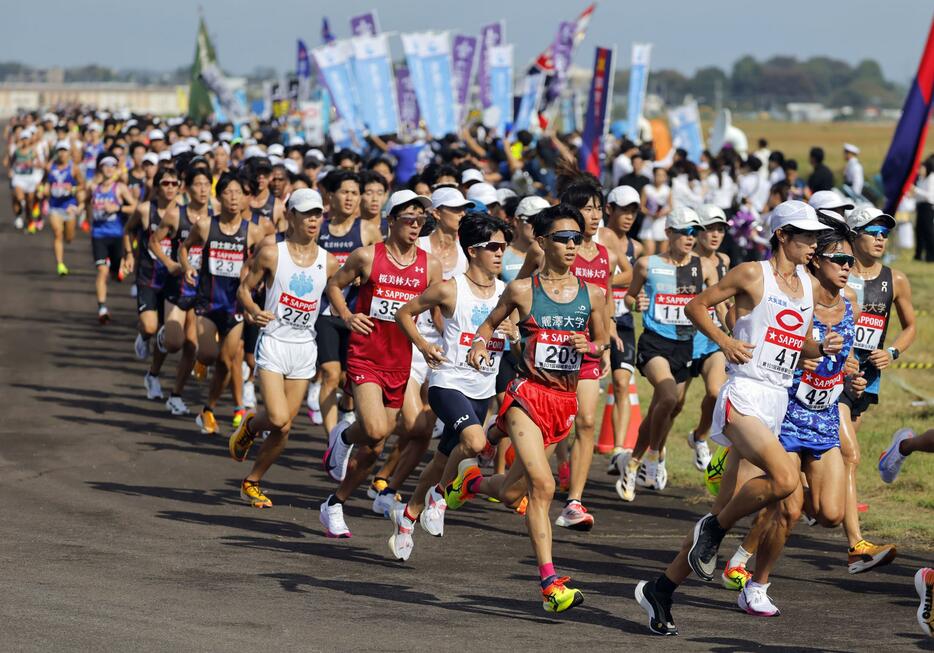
<point x="809" y="112"/>
<point x="31" y="96"/>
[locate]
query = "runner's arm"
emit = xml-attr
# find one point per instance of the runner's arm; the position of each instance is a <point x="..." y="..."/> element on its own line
<point x="735" y="282"/>
<point x="261" y="265"/>
<point x="639" y="272"/>
<point x="129" y="202"/>
<point x="196" y="236"/>
<point x="434" y="297"/>
<point x="508" y="302"/>
<point x="906" y="317"/>
<point x="166" y="229"/>
<point x="132" y="223"/>
<point x="357" y="266"/>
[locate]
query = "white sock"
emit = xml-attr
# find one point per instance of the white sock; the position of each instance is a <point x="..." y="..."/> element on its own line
<point x="740" y="558"/>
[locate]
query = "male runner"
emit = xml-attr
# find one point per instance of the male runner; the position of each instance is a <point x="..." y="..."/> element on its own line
<point x="66" y="201"/>
<point x="108" y="200"/>
<point x="22" y="164"/>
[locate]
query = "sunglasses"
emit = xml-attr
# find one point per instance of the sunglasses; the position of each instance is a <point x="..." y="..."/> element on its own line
<point x="167" y="183"/>
<point x="843" y="260"/>
<point x="875" y="231"/>
<point x="565" y="237"/>
<point x="411" y="220"/>
<point x="491" y="246"/>
<point x="687" y="231"/>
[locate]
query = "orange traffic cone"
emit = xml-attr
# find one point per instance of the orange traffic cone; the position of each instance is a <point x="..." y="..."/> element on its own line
<point x="605" y="443"/>
<point x="635" y="417"/>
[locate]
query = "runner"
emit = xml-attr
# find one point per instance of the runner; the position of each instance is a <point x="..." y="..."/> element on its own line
<point x="557" y="310"/>
<point x="226" y="241"/>
<point x="877" y="288"/>
<point x="66" y="201"/>
<point x="295" y="272"/>
<point x="375" y="191"/>
<point x="389" y="274"/>
<point x="107" y="200"/>
<point x="774" y="303"/>
<point x="22" y="163"/>
<point x="665" y="350"/>
<point x="458" y="393"/>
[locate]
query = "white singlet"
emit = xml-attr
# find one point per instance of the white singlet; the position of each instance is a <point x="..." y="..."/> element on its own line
<point x="295" y="297"/>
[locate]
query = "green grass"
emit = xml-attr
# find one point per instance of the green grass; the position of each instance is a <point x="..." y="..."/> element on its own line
<point x="900" y="513"/>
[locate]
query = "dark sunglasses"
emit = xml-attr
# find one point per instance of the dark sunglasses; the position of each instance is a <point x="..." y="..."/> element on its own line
<point x="843" y="260"/>
<point x="491" y="246"/>
<point x="876" y="230"/>
<point x="687" y="231"/>
<point x="565" y="237"/>
<point x="411" y="220"/>
<point x="168" y="183"/>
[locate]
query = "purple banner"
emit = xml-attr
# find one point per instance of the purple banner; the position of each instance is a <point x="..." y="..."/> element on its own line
<point x="490" y="35"/>
<point x="408" y="103"/>
<point x="464" y="52"/>
<point x="561" y="55"/>
<point x="364" y="25"/>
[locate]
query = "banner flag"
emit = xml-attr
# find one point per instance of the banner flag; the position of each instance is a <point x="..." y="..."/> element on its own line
<point x="638" y="84"/>
<point x="598" y="112"/>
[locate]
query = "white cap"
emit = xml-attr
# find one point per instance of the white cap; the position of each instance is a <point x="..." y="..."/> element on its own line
<point x="401" y="197"/>
<point x="202" y="149"/>
<point x="95" y="127"/>
<point x="179" y="147"/>
<point x="296" y="140"/>
<point x="221" y="145"/>
<point x="151" y="157"/>
<point x="623" y="196"/>
<point x="450" y="197"/>
<point x="275" y="160"/>
<point x="192" y="142"/>
<point x="865" y="215"/>
<point x="108" y="161"/>
<point x="165" y="155"/>
<point x="62" y="145"/>
<point x="276" y="149"/>
<point x="795" y="213"/>
<point x="503" y="194"/>
<point x="253" y="151"/>
<point x="531" y="205"/>
<point x="205" y="136"/>
<point x="682" y="217"/>
<point x="316" y="154"/>
<point x="291" y="166"/>
<point x="482" y="192"/>
<point x="711" y="214"/>
<point x="304" y="200"/>
<point x="849" y="147"/>
<point x="828" y="199"/>
<point x="471" y="175"/>
<point x="226" y="136"/>
<point x="156" y="135"/>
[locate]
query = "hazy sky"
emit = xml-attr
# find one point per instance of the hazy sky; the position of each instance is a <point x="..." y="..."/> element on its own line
<point x="686" y="34"/>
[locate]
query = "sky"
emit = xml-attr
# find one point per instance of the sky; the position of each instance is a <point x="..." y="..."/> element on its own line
<point x="685" y="34"/>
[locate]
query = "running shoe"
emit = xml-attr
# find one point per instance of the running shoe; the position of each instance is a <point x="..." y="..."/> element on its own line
<point x="564" y="476"/>
<point x="456" y="494"/>
<point x="661" y="476"/>
<point x="252" y="494"/>
<point x="924" y="585"/>
<point x="487" y="456"/>
<point x="160" y="340"/>
<point x="199" y="371"/>
<point x="754" y="599"/>
<point x="522" y="506"/>
<point x="103" y="315"/>
<point x="384" y="503"/>
<point x="432" y="515"/>
<point x="249" y="394"/>
<point x="241" y="440"/>
<point x="376" y="487"/>
<point x="626" y="485"/>
<point x="332" y="518"/>
<point x="658" y="607"/>
<point x="86" y="226"/>
<point x="207" y="422"/>
<point x="890" y="462"/>
<point x="141" y="348"/>
<point x="866" y="555"/>
<point x="338" y="454"/>
<point x="557" y="597"/>
<point x="62" y="270"/>
<point x="702" y="556"/>
<point x="613" y="467"/>
<point x="715" y="469"/>
<point x="648" y="472"/>
<point x="176" y="405"/>
<point x="575" y="517"/>
<point x="701" y="452"/>
<point x="735" y="578"/>
<point x="134" y="291"/>
<point x="401" y="541"/>
<point x="312" y="399"/>
<point x="316" y="417"/>
<point x="153" y="387"/>
<point x="18" y="222"/>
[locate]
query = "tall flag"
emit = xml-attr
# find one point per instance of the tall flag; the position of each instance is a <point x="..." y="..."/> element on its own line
<point x="545" y="61"/>
<point x="375" y="82"/>
<point x="408" y="102"/>
<point x="686" y="131"/>
<point x="199" y="96"/>
<point x="326" y="35"/>
<point x="302" y="63"/>
<point x="428" y="55"/>
<point x="598" y="112"/>
<point x="638" y="85"/>
<point x="334" y="63"/>
<point x="499" y="70"/>
<point x="491" y="35"/>
<point x="365" y="24"/>
<point x="464" y="52"/>
<point x="901" y="162"/>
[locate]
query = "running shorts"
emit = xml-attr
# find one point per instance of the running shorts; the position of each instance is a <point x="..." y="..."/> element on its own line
<point x="590" y="369"/>
<point x="456" y="411"/>
<point x="392" y="382"/>
<point x="332" y="339"/>
<point x="291" y="360"/>
<point x="795" y="441"/>
<point x="858" y="405"/>
<point x="224" y="321"/>
<point x="677" y="352"/>
<point x="625" y="359"/>
<point x="62" y="212"/>
<point x="26" y="183"/>
<point x="697" y="365"/>
<point x="765" y="402"/>
<point x="552" y="411"/>
<point x="108" y="249"/>
<point x="150" y="299"/>
<point x="419" y="367"/>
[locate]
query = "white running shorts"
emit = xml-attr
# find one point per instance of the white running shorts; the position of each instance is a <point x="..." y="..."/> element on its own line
<point x="26" y="183"/>
<point x="291" y="360"/>
<point x="419" y="367"/>
<point x="767" y="403"/>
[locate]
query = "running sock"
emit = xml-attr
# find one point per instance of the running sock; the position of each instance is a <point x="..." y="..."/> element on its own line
<point x="547" y="574"/>
<point x="334" y="501"/>
<point x="408" y="515"/>
<point x="570" y="501"/>
<point x="236" y="408"/>
<point x="388" y="491"/>
<point x="740" y="558"/>
<point x="664" y="586"/>
<point x="474" y="484"/>
<point x="208" y="409"/>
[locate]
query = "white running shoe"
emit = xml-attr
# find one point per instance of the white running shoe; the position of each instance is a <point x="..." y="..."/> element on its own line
<point x="401" y="542"/>
<point x="348" y="416"/>
<point x="661" y="476"/>
<point x="176" y="405"/>
<point x="338" y="454"/>
<point x="134" y="291"/>
<point x="384" y="503"/>
<point x="627" y="470"/>
<point x="312" y="399"/>
<point x="141" y="348"/>
<point x="249" y="395"/>
<point x="332" y="518"/>
<point x="575" y="516"/>
<point x="153" y="387"/>
<point x="754" y="599"/>
<point x="18" y="222"/>
<point x="890" y="462"/>
<point x="316" y="417"/>
<point x="432" y="515"/>
<point x="160" y="340"/>
<point x="613" y="467"/>
<point x="701" y="452"/>
<point x="648" y="471"/>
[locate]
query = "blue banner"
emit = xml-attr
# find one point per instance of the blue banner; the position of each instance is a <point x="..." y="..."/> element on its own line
<point x="531" y="93"/>
<point x="499" y="72"/>
<point x="429" y="59"/>
<point x="334" y="63"/>
<point x="375" y="82"/>
<point x="638" y="84"/>
<point x="598" y="112"/>
<point x="686" y="133"/>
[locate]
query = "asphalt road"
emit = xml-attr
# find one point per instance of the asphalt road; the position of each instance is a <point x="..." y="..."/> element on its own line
<point x="122" y="529"/>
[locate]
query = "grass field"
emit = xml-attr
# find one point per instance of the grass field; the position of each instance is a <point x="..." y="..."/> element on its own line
<point x="902" y="512"/>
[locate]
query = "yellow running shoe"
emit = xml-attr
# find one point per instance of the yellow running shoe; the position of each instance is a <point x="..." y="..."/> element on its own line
<point x="241" y="439"/>
<point x="376" y="487"/>
<point x="62" y="269"/>
<point x="250" y="492"/>
<point x="207" y="422"/>
<point x="558" y="598"/>
<point x="238" y="416"/>
<point x="735" y="578"/>
<point x="866" y="555"/>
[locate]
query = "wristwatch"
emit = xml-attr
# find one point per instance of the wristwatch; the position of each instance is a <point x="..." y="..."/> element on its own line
<point x="894" y="353"/>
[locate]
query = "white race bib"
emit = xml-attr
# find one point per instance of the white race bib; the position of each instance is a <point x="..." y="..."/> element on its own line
<point x="669" y="309"/>
<point x="780" y="351"/>
<point x="194" y="257"/>
<point x="819" y="392"/>
<point x="554" y="351"/>
<point x="386" y="301"/>
<point x="225" y="263"/>
<point x="869" y="330"/>
<point x="166" y="246"/>
<point x="295" y="312"/>
<point x="495" y="346"/>
<point x="619" y="297"/>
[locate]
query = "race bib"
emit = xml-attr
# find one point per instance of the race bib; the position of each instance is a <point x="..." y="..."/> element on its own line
<point x="386" y="301"/>
<point x="869" y="330"/>
<point x="166" y="246"/>
<point x="780" y="351"/>
<point x="554" y="351"/>
<point x="295" y="312"/>
<point x="225" y="263"/>
<point x="194" y="256"/>
<point x="61" y="189"/>
<point x="619" y="296"/>
<point x="495" y="346"/>
<point x="669" y="309"/>
<point x="817" y="392"/>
